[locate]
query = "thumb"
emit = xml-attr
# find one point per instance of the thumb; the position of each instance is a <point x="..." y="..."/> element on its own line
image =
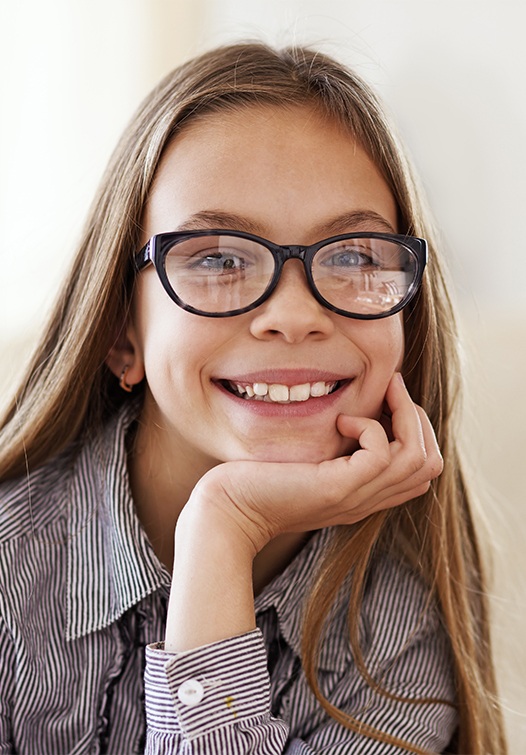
<point x="367" y="434"/>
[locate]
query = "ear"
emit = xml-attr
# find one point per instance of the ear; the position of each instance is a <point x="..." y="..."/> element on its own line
<point x="127" y="354"/>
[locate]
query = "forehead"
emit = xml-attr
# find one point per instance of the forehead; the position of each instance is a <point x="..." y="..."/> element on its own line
<point x="284" y="169"/>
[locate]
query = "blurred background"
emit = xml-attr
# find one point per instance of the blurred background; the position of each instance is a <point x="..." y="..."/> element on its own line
<point x="453" y="75"/>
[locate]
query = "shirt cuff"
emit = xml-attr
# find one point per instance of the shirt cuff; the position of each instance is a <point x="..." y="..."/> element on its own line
<point x="212" y="686"/>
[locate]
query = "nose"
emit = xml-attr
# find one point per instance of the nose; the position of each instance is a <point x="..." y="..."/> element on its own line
<point x="291" y="312"/>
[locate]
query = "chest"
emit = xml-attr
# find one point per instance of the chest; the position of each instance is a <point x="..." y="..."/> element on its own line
<point x="86" y="696"/>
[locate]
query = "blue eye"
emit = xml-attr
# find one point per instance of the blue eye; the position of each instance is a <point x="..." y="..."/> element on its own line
<point x="220" y="262"/>
<point x="349" y="259"/>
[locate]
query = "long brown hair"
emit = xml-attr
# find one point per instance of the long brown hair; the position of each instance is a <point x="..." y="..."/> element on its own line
<point x="68" y="390"/>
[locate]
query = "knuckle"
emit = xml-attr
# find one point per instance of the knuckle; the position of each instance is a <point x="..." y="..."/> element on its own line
<point x="422" y="489"/>
<point x="378" y="464"/>
<point x="384" y="460"/>
<point x="415" y="461"/>
<point x="437" y="466"/>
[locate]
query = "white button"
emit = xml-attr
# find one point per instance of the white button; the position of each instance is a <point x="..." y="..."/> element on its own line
<point x="191" y="692"/>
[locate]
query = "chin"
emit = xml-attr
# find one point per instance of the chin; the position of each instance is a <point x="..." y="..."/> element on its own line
<point x="303" y="453"/>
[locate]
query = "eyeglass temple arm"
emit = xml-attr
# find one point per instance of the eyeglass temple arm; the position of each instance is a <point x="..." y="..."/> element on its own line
<point x="142" y="258"/>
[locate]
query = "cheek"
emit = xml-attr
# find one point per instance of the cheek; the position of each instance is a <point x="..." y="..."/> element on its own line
<point x="160" y="334"/>
<point x="176" y="346"/>
<point x="396" y="339"/>
<point x="399" y="341"/>
<point x="379" y="347"/>
<point x="382" y="342"/>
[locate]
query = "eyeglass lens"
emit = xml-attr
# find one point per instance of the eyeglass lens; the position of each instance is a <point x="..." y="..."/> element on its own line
<point x="224" y="273"/>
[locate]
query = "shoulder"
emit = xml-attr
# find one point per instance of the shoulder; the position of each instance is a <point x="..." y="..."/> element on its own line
<point x="29" y="504"/>
<point x="33" y="548"/>
<point x="45" y="497"/>
<point x="397" y="594"/>
<point x="397" y="610"/>
<point x="400" y="614"/>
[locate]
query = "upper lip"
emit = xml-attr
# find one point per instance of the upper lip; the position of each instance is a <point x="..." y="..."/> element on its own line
<point x="286" y="376"/>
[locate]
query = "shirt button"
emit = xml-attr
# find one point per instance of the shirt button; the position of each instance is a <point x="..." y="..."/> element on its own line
<point x="191" y="692"/>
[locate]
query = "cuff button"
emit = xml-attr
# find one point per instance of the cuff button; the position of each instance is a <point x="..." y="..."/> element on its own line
<point x="191" y="692"/>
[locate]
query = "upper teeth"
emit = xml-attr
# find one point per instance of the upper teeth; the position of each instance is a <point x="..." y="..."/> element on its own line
<point x="283" y="393"/>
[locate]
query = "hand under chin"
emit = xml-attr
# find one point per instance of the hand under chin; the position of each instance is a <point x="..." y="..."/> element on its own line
<point x="303" y="451"/>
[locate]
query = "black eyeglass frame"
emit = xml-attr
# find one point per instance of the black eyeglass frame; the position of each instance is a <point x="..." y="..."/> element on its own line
<point x="158" y="246"/>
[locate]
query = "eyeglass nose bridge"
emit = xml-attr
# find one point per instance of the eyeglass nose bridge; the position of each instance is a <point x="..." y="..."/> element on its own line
<point x="291" y="251"/>
<point x="283" y="253"/>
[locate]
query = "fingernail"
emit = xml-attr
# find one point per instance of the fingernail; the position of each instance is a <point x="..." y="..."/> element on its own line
<point x="401" y="378"/>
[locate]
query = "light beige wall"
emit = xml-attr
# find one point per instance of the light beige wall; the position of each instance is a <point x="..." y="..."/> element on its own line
<point x="493" y="435"/>
<point x="454" y="75"/>
<point x="72" y="75"/>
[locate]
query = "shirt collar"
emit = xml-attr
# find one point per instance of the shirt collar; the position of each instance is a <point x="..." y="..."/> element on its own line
<point x="111" y="564"/>
<point x="288" y="594"/>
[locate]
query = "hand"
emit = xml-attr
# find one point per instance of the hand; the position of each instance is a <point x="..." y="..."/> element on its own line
<point x="256" y="501"/>
<point x="238" y="507"/>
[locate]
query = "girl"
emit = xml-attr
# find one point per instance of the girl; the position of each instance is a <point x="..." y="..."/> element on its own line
<point x="216" y="415"/>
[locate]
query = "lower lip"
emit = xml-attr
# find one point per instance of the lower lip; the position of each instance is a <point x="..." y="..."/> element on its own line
<point x="307" y="408"/>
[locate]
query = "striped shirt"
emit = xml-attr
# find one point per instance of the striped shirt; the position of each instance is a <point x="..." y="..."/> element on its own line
<point x="83" y="608"/>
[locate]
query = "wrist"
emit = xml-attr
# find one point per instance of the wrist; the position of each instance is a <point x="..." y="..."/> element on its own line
<point x="211" y="510"/>
<point x="212" y="594"/>
<point x="204" y="528"/>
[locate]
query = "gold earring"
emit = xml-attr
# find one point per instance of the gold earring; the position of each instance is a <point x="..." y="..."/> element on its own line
<point x="122" y="382"/>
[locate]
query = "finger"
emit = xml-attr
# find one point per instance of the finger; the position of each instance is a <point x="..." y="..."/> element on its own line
<point x="385" y="421"/>
<point x="406" y="426"/>
<point x="414" y="452"/>
<point x="395" y="499"/>
<point x="368" y="432"/>
<point x="417" y="483"/>
<point x="420" y="456"/>
<point x="434" y="461"/>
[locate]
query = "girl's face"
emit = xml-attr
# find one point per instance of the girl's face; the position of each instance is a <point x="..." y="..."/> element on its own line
<point x="293" y="177"/>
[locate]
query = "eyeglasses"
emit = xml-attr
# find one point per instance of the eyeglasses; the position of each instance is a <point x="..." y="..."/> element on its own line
<point x="221" y="273"/>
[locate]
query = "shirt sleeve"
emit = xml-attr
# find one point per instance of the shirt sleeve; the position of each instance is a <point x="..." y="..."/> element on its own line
<point x="214" y="699"/>
<point x="420" y="673"/>
<point x="412" y="695"/>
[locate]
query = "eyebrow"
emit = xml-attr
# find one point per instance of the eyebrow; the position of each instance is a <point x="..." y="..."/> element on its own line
<point x="209" y="219"/>
<point x="364" y="220"/>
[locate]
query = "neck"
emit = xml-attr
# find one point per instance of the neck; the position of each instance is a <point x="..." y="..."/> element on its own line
<point x="275" y="557"/>
<point x="161" y="484"/>
<point x="161" y="479"/>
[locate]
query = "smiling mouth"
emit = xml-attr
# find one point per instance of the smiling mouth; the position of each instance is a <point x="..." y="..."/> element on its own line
<point x="277" y="393"/>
